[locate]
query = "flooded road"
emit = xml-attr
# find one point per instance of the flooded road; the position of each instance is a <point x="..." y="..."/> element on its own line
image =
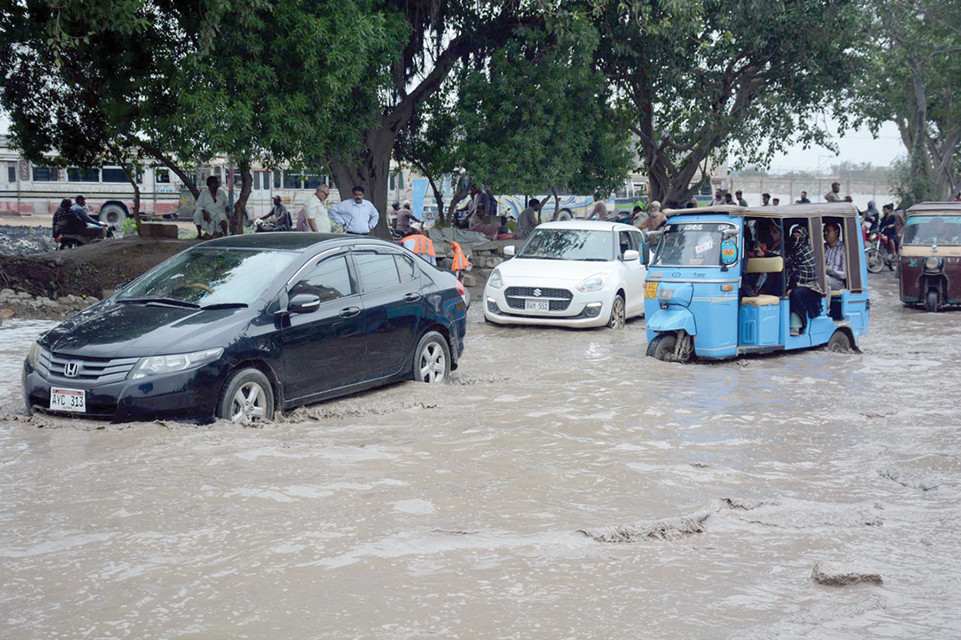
<point x="710" y="492"/>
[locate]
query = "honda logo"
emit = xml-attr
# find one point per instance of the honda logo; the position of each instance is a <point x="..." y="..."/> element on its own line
<point x="71" y="369"/>
<point x="537" y="292"/>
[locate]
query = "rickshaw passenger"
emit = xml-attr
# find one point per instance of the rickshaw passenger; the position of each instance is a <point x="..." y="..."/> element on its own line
<point x="834" y="256"/>
<point x="805" y="291"/>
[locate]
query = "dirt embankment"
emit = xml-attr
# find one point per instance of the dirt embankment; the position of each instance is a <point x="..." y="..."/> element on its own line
<point x="86" y="271"/>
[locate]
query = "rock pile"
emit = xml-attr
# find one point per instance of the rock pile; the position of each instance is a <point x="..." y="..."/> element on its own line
<point x="22" y="304"/>
<point x="22" y="241"/>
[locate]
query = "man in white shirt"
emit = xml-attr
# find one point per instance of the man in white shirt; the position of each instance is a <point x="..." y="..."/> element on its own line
<point x="359" y="216"/>
<point x="210" y="213"/>
<point x="316" y="212"/>
<point x="599" y="212"/>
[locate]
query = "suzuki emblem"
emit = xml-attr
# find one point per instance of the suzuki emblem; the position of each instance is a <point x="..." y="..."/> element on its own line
<point x="537" y="292"/>
<point x="71" y="369"/>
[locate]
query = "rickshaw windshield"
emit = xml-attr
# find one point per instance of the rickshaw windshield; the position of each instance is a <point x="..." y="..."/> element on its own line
<point x="691" y="244"/>
<point x="928" y="230"/>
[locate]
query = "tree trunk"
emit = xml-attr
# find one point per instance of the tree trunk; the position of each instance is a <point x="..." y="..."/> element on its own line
<point x="118" y="158"/>
<point x="461" y="190"/>
<point x="370" y="171"/>
<point x="239" y="214"/>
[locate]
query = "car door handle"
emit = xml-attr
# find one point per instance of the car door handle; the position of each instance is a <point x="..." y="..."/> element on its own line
<point x="412" y="297"/>
<point x="349" y="312"/>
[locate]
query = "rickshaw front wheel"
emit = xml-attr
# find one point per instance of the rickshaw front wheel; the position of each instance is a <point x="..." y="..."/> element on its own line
<point x="662" y="346"/>
<point x="931" y="301"/>
<point x="840" y="342"/>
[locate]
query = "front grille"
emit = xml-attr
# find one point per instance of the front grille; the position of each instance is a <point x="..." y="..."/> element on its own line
<point x="559" y="299"/>
<point x="98" y="370"/>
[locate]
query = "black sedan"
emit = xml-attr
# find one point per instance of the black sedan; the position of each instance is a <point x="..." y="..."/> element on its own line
<point x="238" y="327"/>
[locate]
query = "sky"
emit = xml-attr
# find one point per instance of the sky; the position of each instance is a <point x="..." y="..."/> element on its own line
<point x="855" y="146"/>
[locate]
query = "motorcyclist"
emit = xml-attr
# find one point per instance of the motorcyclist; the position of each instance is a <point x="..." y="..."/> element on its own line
<point x="75" y="221"/>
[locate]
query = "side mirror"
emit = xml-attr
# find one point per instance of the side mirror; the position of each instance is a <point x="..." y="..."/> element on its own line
<point x="653" y="237"/>
<point x="728" y="234"/>
<point x="509" y="251"/>
<point x="303" y="303"/>
<point x="631" y="255"/>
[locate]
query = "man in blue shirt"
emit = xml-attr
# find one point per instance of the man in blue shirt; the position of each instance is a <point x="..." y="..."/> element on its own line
<point x="358" y="216"/>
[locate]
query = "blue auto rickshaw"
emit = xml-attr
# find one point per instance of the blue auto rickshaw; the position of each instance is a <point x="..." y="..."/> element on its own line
<point x="720" y="283"/>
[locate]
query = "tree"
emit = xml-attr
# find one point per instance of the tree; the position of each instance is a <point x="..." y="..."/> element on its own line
<point x="912" y="77"/>
<point x="702" y="76"/>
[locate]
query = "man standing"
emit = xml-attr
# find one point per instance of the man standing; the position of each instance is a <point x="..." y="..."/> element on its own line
<point x="718" y="197"/>
<point x="804" y="198"/>
<point x="527" y="220"/>
<point x="357" y="215"/>
<point x="315" y="212"/>
<point x="210" y="213"/>
<point x="834" y="195"/>
<point x="741" y="202"/>
<point x="765" y="199"/>
<point x="599" y="212"/>
<point x="404" y="217"/>
<point x="835" y="262"/>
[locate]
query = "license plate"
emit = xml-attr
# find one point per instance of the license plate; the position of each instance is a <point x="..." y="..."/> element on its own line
<point x="650" y="290"/>
<point x="537" y="305"/>
<point x="68" y="400"/>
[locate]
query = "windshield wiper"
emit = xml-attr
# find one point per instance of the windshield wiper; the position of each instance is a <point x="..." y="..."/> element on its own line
<point x="224" y="305"/>
<point x="167" y="301"/>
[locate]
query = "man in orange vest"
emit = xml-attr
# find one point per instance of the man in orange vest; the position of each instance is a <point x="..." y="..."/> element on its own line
<point x="419" y="243"/>
<point x="459" y="262"/>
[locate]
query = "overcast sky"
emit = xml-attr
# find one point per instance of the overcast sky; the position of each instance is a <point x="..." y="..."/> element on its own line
<point x="855" y="146"/>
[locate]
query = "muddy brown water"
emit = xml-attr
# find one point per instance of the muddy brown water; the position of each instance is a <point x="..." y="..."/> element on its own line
<point x="459" y="511"/>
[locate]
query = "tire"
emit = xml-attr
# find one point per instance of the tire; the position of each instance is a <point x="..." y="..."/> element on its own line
<point x="662" y="346"/>
<point x="248" y="397"/>
<point x="931" y="301"/>
<point x="875" y="260"/>
<point x="67" y="244"/>
<point x="565" y="214"/>
<point x="618" y="314"/>
<point x="431" y="359"/>
<point x="840" y="342"/>
<point x="113" y="214"/>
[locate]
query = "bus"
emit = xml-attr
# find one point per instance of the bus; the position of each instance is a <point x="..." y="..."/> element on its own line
<point x="27" y="188"/>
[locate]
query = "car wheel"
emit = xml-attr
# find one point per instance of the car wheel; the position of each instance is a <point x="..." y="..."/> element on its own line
<point x="112" y="214"/>
<point x="247" y="398"/>
<point x="662" y="346"/>
<point x="618" y="315"/>
<point x="432" y="358"/>
<point x="840" y="342"/>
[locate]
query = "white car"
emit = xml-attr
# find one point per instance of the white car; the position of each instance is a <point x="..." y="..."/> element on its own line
<point x="577" y="273"/>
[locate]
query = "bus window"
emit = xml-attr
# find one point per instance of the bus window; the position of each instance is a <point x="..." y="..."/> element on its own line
<point x="291" y="180"/>
<point x="312" y="181"/>
<point x="238" y="178"/>
<point x="11" y="172"/>
<point x="44" y="174"/>
<point x="117" y="174"/>
<point x="256" y="180"/>
<point x="276" y="179"/>
<point x="161" y="176"/>
<point x="76" y="174"/>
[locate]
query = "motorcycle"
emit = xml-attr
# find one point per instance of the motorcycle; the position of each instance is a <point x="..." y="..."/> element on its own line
<point x="879" y="253"/>
<point x="73" y="240"/>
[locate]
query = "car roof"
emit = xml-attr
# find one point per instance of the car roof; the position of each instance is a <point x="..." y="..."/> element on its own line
<point x="927" y="208"/>
<point x="290" y="241"/>
<point x="592" y="225"/>
<point x="785" y="211"/>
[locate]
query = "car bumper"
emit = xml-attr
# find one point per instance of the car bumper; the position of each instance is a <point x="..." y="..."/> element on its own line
<point x="187" y="395"/>
<point x="584" y="311"/>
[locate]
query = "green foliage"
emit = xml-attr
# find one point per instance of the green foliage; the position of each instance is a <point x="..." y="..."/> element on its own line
<point x="704" y="77"/>
<point x="911" y="186"/>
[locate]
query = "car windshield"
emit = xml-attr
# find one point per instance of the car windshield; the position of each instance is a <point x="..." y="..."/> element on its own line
<point x="569" y="244"/>
<point x="928" y="230"/>
<point x="691" y="244"/>
<point x="209" y="276"/>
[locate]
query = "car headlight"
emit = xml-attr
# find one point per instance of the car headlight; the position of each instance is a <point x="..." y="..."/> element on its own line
<point x="496" y="280"/>
<point x="33" y="356"/>
<point x="595" y="282"/>
<point x="932" y="264"/>
<point x="157" y="365"/>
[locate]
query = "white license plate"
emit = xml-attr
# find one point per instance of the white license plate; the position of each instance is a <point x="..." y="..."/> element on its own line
<point x="537" y="305"/>
<point x="68" y="400"/>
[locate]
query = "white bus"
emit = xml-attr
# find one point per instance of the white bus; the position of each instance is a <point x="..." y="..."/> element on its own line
<point x="27" y="188"/>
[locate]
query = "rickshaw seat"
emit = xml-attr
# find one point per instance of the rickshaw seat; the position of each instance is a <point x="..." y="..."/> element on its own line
<point x="762" y="300"/>
<point x="765" y="265"/>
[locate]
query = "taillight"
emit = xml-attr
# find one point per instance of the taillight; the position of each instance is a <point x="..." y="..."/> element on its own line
<point x="460" y="289"/>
